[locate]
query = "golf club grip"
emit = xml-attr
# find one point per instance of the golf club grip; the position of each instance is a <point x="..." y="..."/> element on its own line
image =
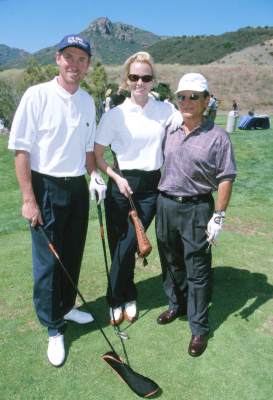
<point x="143" y="243"/>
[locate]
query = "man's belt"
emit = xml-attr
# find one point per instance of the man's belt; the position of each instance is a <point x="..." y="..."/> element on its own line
<point x="57" y="178"/>
<point x="189" y="199"/>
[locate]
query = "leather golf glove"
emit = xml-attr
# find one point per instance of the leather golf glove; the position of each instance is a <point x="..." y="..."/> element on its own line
<point x="174" y="121"/>
<point x="97" y="185"/>
<point x="215" y="226"/>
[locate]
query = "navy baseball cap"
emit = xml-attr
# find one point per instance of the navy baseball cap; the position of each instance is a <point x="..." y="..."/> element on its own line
<point x="75" y="41"/>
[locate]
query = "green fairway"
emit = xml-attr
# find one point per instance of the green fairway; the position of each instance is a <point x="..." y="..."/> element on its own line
<point x="238" y="363"/>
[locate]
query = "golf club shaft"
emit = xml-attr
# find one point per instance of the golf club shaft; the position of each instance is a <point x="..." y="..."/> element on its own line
<point x="54" y="252"/>
<point x="120" y="334"/>
<point x="135" y="381"/>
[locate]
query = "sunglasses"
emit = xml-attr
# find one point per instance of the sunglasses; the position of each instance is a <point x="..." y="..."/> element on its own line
<point x="144" y="78"/>
<point x="193" y="97"/>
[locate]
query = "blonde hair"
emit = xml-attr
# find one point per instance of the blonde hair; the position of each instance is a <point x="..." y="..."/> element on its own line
<point x="141" y="57"/>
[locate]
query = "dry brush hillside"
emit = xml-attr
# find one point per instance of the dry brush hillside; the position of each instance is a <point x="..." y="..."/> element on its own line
<point x="250" y="85"/>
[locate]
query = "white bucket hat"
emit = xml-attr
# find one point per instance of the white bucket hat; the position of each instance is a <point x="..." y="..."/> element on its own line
<point x="192" y="81"/>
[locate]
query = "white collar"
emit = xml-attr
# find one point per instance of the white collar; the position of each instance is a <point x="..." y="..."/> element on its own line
<point x="61" y="91"/>
<point x="133" y="106"/>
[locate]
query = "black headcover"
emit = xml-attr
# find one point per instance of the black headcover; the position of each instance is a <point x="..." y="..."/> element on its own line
<point x="142" y="386"/>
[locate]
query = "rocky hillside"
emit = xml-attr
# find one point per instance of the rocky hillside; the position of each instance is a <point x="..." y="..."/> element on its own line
<point x="111" y="43"/>
<point x="259" y="54"/>
<point x="9" y="54"/>
<point x="194" y="50"/>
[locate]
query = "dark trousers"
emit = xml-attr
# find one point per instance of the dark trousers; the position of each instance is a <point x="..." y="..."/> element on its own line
<point x="121" y="231"/>
<point x="64" y="204"/>
<point x="186" y="257"/>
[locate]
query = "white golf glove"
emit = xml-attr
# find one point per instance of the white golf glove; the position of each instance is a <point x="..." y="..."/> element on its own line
<point x="215" y="226"/>
<point x="97" y="184"/>
<point x="174" y="121"/>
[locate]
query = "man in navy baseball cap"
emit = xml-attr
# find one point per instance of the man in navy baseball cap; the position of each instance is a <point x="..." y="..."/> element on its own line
<point x="75" y="41"/>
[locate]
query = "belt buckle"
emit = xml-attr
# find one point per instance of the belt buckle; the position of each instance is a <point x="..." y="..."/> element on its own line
<point x="67" y="178"/>
<point x="179" y="199"/>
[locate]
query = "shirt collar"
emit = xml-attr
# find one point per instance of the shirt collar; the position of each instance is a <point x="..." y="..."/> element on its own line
<point x="135" y="107"/>
<point x="205" y="126"/>
<point x="61" y="91"/>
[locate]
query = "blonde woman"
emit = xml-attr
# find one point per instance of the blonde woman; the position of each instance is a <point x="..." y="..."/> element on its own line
<point x="135" y="130"/>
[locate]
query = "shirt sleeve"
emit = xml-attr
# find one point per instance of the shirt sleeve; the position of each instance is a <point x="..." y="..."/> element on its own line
<point x="225" y="160"/>
<point x="92" y="128"/>
<point x="24" y="125"/>
<point x="105" y="132"/>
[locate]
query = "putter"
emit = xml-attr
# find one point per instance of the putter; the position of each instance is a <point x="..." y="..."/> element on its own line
<point x="139" y="384"/>
<point x="122" y="335"/>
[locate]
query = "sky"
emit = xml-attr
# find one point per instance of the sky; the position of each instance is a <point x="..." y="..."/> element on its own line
<point x="32" y="24"/>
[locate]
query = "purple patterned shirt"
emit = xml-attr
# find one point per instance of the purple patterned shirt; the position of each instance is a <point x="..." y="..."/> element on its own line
<point x="196" y="163"/>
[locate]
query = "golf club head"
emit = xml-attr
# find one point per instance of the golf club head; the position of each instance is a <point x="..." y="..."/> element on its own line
<point x="122" y="335"/>
<point x="139" y="384"/>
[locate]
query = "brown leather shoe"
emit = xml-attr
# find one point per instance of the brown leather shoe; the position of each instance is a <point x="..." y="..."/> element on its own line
<point x="197" y="345"/>
<point x="169" y="315"/>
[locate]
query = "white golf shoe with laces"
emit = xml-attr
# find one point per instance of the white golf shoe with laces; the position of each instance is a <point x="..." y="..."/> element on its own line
<point x="130" y="311"/>
<point x="80" y="317"/>
<point x="116" y="315"/>
<point x="55" y="350"/>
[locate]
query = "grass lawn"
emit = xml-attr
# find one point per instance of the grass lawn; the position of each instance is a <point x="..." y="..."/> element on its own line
<point x="238" y="363"/>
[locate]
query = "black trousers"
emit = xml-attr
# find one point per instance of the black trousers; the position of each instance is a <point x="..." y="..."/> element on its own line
<point x="121" y="231"/>
<point x="64" y="204"/>
<point x="186" y="257"/>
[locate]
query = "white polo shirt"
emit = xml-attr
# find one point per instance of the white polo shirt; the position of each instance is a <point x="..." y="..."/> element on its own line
<point x="57" y="129"/>
<point x="135" y="133"/>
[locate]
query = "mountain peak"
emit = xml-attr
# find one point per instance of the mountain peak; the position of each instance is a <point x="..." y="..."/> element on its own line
<point x="101" y="25"/>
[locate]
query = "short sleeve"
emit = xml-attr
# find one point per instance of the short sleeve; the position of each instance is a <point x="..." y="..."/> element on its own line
<point x="226" y="166"/>
<point x="92" y="129"/>
<point x="24" y="125"/>
<point x="105" y="132"/>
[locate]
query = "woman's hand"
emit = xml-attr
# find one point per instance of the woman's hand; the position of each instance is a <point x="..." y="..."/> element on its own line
<point x="123" y="186"/>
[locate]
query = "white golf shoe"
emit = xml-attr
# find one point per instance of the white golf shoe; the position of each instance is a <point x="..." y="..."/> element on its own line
<point x="116" y="315"/>
<point x="55" y="350"/>
<point x="130" y="311"/>
<point x="80" y="317"/>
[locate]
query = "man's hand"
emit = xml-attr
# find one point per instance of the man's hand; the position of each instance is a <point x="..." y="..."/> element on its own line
<point x="215" y="226"/>
<point x="97" y="184"/>
<point x="174" y="121"/>
<point x="31" y="212"/>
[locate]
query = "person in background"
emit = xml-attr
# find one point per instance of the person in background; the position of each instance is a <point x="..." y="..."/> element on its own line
<point x="118" y="98"/>
<point x="198" y="160"/>
<point x="235" y="106"/>
<point x="108" y="99"/>
<point x="135" y="130"/>
<point x="52" y="134"/>
<point x="212" y="107"/>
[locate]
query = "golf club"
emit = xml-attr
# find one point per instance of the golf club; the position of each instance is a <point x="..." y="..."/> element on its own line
<point x="144" y="246"/>
<point x="119" y="333"/>
<point x="139" y="384"/>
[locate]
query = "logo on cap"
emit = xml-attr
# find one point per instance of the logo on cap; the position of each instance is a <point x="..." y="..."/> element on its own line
<point x="76" y="40"/>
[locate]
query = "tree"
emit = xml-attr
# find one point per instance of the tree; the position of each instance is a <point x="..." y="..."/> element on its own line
<point x="164" y="90"/>
<point x="96" y="85"/>
<point x="36" y="73"/>
<point x="10" y="95"/>
<point x="8" y="102"/>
